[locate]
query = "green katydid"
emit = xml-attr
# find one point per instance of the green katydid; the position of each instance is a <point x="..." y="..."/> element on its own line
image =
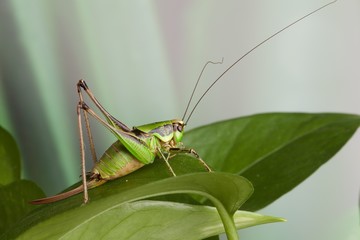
<point x="140" y="145"/>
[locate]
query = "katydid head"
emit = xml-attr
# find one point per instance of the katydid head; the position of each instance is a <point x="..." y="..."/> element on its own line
<point x="178" y="130"/>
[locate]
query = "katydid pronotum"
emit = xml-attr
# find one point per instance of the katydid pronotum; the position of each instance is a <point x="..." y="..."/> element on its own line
<point x="140" y="145"/>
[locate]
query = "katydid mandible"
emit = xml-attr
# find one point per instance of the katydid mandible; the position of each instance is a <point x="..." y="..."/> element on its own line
<point x="140" y="145"/>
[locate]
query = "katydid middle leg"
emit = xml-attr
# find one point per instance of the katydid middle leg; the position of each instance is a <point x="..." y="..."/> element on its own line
<point x="192" y="152"/>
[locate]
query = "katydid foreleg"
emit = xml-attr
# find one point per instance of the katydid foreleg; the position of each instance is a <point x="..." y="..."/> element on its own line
<point x="166" y="159"/>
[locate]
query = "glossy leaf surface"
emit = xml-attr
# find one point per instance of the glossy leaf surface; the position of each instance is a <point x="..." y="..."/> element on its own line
<point x="275" y="151"/>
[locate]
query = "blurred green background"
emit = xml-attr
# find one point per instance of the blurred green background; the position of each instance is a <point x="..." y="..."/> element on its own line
<point x="142" y="58"/>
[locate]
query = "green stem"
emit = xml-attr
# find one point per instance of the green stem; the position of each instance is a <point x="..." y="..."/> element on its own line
<point x="227" y="220"/>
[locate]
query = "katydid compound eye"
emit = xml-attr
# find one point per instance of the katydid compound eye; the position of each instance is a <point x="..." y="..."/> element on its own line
<point x="179" y="128"/>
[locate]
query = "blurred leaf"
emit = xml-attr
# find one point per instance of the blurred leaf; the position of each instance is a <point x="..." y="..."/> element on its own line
<point x="14" y="193"/>
<point x="9" y="158"/>
<point x="275" y="151"/>
<point x="14" y="201"/>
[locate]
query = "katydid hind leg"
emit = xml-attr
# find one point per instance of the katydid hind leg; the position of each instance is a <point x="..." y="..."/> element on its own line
<point x="88" y="129"/>
<point x="82" y="85"/>
<point x="82" y="188"/>
<point x="82" y="154"/>
<point x="132" y="142"/>
<point x="120" y="130"/>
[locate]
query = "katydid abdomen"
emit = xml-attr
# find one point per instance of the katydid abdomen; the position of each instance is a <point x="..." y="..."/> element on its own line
<point x="116" y="162"/>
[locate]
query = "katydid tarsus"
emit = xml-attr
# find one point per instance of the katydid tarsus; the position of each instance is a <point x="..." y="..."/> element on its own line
<point x="138" y="146"/>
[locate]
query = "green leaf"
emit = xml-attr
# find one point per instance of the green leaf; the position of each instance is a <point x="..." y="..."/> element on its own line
<point x="9" y="158"/>
<point x="14" y="200"/>
<point x="150" y="220"/>
<point x="227" y="193"/>
<point x="14" y="193"/>
<point x="275" y="151"/>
